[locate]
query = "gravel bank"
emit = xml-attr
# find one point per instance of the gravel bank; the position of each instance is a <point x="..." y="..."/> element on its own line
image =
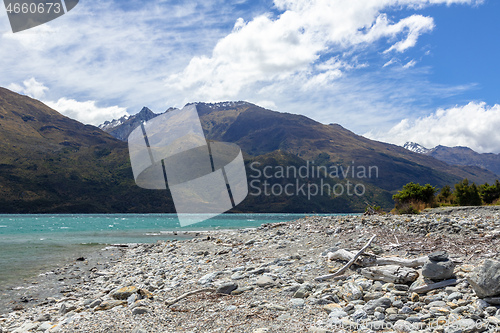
<point x="265" y="281"/>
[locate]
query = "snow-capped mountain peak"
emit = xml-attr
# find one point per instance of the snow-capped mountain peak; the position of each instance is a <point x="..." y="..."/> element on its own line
<point x="416" y="148"/>
<point x="108" y="125"/>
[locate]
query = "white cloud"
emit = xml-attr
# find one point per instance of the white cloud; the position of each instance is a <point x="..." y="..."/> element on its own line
<point x="410" y="64"/>
<point x="87" y="112"/>
<point x="271" y="48"/>
<point x="303" y="57"/>
<point x="474" y="125"/>
<point x="30" y="87"/>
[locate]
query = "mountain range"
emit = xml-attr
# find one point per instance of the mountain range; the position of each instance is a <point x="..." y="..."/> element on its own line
<point x="52" y="164"/>
<point x="459" y="156"/>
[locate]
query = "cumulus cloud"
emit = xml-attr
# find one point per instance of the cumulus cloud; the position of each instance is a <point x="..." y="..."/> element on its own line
<point x="272" y="48"/>
<point x="86" y="112"/>
<point x="299" y="56"/>
<point x="474" y="125"/>
<point x="30" y="87"/>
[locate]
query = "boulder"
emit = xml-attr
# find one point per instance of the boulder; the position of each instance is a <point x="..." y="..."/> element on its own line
<point x="438" y="270"/>
<point x="124" y="293"/>
<point x="226" y="288"/>
<point x="485" y="279"/>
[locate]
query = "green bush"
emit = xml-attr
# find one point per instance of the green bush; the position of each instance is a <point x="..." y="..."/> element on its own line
<point x="445" y="196"/>
<point x="413" y="198"/>
<point x="466" y="194"/>
<point x="412" y="192"/>
<point x="490" y="193"/>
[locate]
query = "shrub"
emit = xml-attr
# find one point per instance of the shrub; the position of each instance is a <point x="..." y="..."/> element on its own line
<point x="414" y="197"/>
<point x="466" y="194"/>
<point x="445" y="196"/>
<point x="412" y="192"/>
<point x="490" y="193"/>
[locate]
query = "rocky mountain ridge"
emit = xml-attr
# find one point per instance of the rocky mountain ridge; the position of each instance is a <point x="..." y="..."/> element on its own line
<point x="52" y="164"/>
<point x="463" y="156"/>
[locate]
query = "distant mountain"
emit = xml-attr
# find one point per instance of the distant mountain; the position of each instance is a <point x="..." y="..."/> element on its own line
<point x="52" y="164"/>
<point x="416" y="148"/>
<point x="121" y="128"/>
<point x="275" y="138"/>
<point x="462" y="156"/>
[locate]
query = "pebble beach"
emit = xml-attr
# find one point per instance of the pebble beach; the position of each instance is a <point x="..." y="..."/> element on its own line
<point x="266" y="279"/>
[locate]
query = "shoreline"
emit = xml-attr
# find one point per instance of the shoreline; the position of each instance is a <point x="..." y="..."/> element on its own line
<point x="269" y="264"/>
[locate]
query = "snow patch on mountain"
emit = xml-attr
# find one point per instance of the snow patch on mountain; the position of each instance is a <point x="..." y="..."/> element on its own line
<point x="416" y="148"/>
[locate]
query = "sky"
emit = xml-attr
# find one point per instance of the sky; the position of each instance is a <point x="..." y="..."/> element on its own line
<point x="392" y="70"/>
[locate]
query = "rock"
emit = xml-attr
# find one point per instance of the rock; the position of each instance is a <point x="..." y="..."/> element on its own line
<point x="43" y="327"/>
<point x="226" y="288"/>
<point x="124" y="293"/>
<point x="331" y="307"/>
<point x="337" y="313"/>
<point x="95" y="303"/>
<point x="403" y="326"/>
<point x="455" y="295"/>
<point x="265" y="281"/>
<point x="109" y="305"/>
<point x="207" y="278"/>
<point x="139" y="330"/>
<point x="359" y="315"/>
<point x="301" y="293"/>
<point x="146" y="294"/>
<point x="275" y="307"/>
<point x="351" y="292"/>
<point x="378" y="325"/>
<point x="493" y="300"/>
<point x="261" y="330"/>
<point x="438" y="256"/>
<point x="238" y="276"/>
<point x="438" y="270"/>
<point x="436" y="304"/>
<point x="481" y="304"/>
<point x="405" y="310"/>
<point x="66" y="307"/>
<point x="139" y="310"/>
<point x="250" y="242"/>
<point x="297" y="303"/>
<point x="241" y="290"/>
<point x="258" y="271"/>
<point x="383" y="302"/>
<point x="291" y="289"/>
<point x="485" y="279"/>
<point x="401" y="287"/>
<point x="43" y="317"/>
<point x="131" y="300"/>
<point x="25" y="327"/>
<point x="372" y="295"/>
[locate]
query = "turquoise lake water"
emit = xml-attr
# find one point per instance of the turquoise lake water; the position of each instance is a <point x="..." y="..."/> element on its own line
<point x="34" y="243"/>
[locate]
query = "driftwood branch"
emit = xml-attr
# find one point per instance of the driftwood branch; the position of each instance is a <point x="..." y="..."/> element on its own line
<point x="390" y="273"/>
<point x="376" y="261"/>
<point x="441" y="284"/>
<point x="401" y="262"/>
<point x="349" y="264"/>
<point x="169" y="303"/>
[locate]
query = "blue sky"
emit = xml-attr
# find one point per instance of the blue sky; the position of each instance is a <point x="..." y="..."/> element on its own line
<point x="393" y="70"/>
